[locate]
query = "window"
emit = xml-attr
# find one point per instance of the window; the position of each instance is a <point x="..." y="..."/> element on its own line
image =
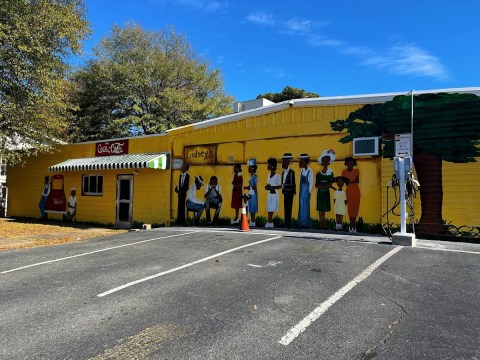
<point x="92" y="185"/>
<point x="3" y="168"/>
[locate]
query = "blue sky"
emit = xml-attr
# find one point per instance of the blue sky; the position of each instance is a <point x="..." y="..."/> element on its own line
<point x="332" y="48"/>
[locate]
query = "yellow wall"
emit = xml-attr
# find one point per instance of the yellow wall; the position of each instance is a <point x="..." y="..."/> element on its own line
<point x="304" y="129"/>
<point x="461" y="203"/>
<point x="151" y="198"/>
<point x="295" y="130"/>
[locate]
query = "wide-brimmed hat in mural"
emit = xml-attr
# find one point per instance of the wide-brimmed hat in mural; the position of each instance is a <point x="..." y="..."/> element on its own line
<point x="330" y="153"/>
<point x="199" y="178"/>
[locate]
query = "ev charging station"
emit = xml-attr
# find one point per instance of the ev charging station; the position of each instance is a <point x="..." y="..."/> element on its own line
<point x="403" y="168"/>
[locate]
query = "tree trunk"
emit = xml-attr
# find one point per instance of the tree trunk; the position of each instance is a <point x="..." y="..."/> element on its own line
<point x="429" y="172"/>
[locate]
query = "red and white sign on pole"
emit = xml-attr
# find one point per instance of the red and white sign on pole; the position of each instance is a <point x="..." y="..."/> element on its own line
<point x="403" y="145"/>
<point x="108" y="148"/>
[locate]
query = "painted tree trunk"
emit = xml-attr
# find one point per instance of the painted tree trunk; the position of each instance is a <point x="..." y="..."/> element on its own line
<point x="429" y="173"/>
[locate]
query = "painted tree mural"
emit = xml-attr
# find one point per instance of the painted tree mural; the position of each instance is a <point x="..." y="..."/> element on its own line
<point x="446" y="128"/>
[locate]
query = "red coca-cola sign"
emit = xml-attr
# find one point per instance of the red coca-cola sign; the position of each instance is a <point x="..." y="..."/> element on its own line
<point x="108" y="148"/>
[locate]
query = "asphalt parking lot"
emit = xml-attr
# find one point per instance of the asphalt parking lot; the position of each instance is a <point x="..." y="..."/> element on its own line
<point x="197" y="293"/>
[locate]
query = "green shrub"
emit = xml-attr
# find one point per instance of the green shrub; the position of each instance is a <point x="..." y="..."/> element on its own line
<point x="260" y="221"/>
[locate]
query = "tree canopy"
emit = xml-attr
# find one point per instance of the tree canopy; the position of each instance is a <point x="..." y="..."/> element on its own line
<point x="288" y="93"/>
<point x="452" y="117"/>
<point x="36" y="39"/>
<point x="144" y="82"/>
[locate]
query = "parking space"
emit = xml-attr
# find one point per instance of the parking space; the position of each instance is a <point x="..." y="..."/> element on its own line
<point x="193" y="293"/>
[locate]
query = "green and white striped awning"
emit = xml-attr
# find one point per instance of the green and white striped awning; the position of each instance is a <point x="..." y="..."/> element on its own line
<point x="130" y="161"/>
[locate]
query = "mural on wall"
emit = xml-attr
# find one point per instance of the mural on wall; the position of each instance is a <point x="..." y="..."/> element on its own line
<point x="446" y="128"/>
<point x="56" y="201"/>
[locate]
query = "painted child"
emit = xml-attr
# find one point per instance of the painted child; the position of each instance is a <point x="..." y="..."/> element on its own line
<point x="323" y="183"/>
<point x="340" y="201"/>
<point x="252" y="191"/>
<point x="237" y="191"/>
<point x="213" y="199"/>
<point x="274" y="183"/>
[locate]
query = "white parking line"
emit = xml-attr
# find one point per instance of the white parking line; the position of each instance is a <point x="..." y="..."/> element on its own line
<point x="450" y="250"/>
<point x="294" y="332"/>
<point x="94" y="252"/>
<point x="111" y="291"/>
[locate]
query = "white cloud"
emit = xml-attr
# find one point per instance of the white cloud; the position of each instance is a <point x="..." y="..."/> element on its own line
<point x="299" y="25"/>
<point x="408" y="60"/>
<point x="278" y="73"/>
<point x="318" y="40"/>
<point x="260" y="17"/>
<point x="399" y="59"/>
<point x="209" y="6"/>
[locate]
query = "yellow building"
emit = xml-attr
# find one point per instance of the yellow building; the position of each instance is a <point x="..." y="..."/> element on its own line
<point x="142" y="190"/>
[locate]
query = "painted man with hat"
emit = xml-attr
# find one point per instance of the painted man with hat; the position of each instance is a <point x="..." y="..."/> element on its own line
<point x="252" y="191"/>
<point x="306" y="187"/>
<point x="181" y="190"/>
<point x="289" y="188"/>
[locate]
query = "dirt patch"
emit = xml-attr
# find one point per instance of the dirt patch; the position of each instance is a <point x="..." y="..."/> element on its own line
<point x="27" y="233"/>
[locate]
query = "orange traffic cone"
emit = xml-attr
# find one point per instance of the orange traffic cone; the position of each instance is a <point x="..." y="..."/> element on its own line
<point x="244" y="221"/>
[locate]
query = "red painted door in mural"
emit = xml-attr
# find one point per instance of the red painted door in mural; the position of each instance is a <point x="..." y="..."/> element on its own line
<point x="56" y="199"/>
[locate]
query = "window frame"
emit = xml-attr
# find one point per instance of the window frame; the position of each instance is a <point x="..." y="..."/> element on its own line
<point x="88" y="192"/>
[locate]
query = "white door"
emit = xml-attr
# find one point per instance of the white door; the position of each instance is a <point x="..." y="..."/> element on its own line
<point x="124" y="216"/>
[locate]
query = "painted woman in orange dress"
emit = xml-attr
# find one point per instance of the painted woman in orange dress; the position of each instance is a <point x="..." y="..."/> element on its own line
<point x="353" y="191"/>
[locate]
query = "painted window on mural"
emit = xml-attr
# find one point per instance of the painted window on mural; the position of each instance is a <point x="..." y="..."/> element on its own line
<point x="92" y="185"/>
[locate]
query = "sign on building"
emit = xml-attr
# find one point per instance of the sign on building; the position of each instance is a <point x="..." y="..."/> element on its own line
<point x="108" y="148"/>
<point x="201" y="154"/>
<point x="403" y="145"/>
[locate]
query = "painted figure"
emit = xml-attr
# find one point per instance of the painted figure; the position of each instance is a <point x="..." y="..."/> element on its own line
<point x="340" y="201"/>
<point x="194" y="203"/>
<point x="237" y="191"/>
<point x="43" y="199"/>
<point x="273" y="183"/>
<point x="306" y="187"/>
<point x="181" y="190"/>
<point x="289" y="188"/>
<point x="323" y="183"/>
<point x="213" y="199"/>
<point x="72" y="205"/>
<point x="252" y="191"/>
<point x="353" y="191"/>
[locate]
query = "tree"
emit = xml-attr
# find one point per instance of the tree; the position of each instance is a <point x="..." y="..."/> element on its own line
<point x="36" y="39"/>
<point x="144" y="82"/>
<point x="446" y="128"/>
<point x="288" y="93"/>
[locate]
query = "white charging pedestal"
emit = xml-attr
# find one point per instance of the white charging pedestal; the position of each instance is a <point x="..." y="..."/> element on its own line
<point x="403" y="238"/>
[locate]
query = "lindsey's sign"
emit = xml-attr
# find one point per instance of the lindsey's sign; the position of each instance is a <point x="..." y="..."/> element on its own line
<point x="108" y="148"/>
<point x="201" y="154"/>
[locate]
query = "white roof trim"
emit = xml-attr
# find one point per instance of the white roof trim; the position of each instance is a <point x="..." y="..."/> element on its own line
<point x="139" y="137"/>
<point x="326" y="101"/>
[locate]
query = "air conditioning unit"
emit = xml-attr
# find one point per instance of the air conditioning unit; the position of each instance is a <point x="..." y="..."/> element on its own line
<point x="366" y="146"/>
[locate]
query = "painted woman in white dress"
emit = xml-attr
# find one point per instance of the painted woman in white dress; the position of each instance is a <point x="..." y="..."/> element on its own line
<point x="273" y="184"/>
